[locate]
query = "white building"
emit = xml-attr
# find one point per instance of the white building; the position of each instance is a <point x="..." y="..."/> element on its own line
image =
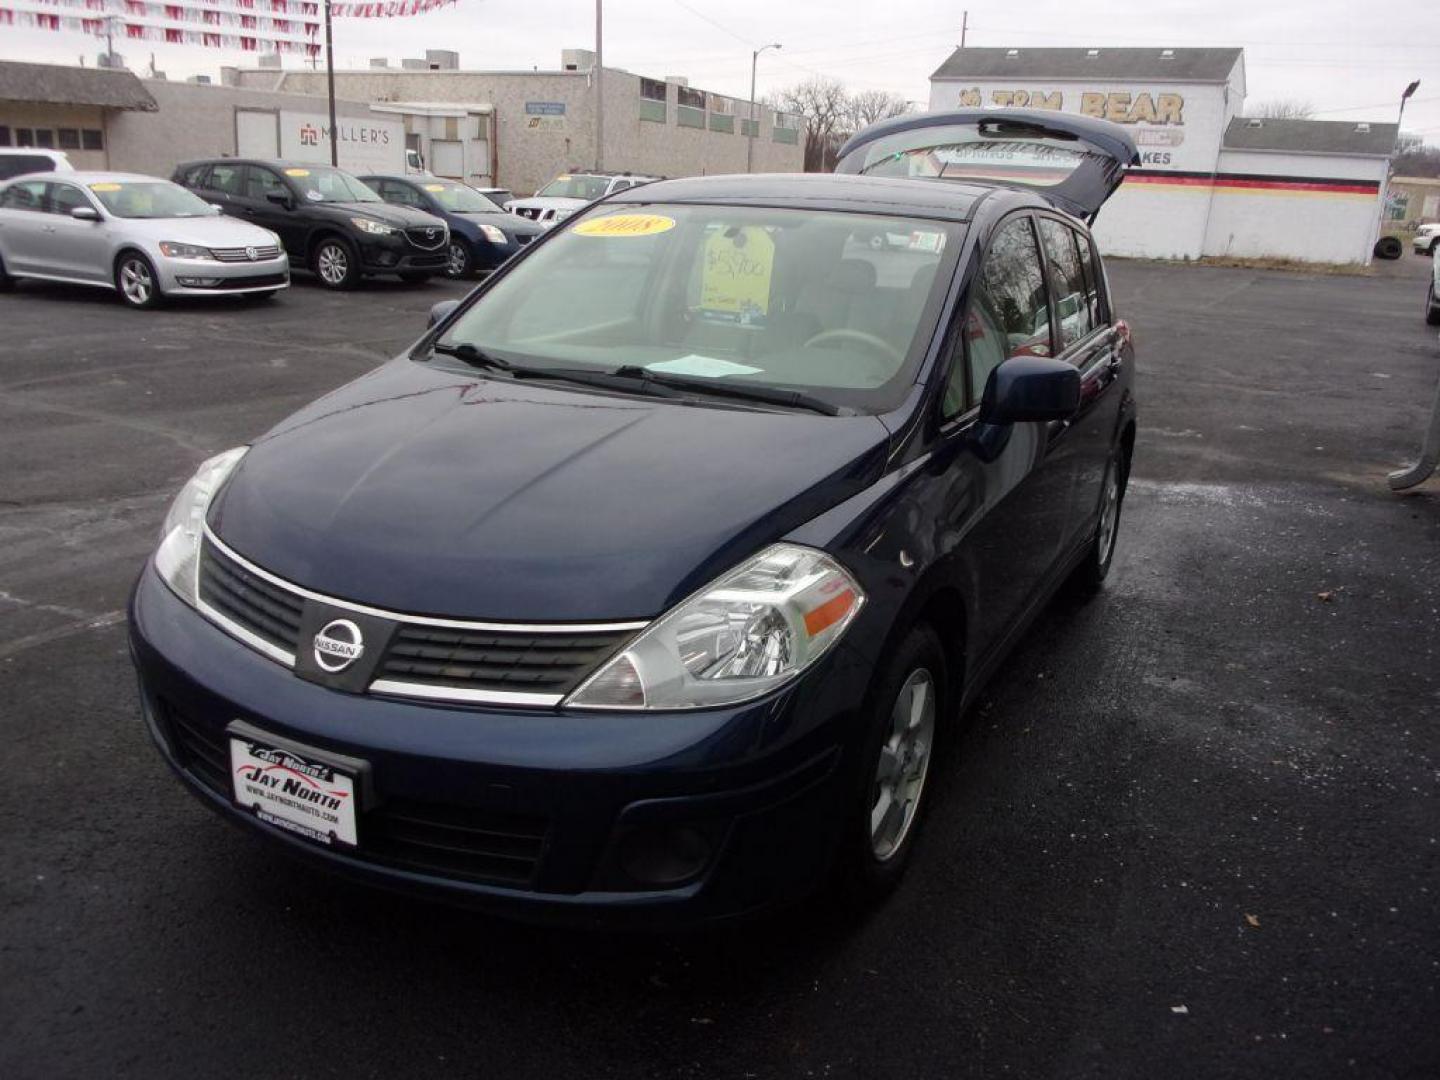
<point x="1211" y="182"/>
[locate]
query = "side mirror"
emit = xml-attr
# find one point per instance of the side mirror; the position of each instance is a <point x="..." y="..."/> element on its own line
<point x="279" y="198"/>
<point x="85" y="213"/>
<point x="1027" y="388"/>
<point x="440" y="312"/>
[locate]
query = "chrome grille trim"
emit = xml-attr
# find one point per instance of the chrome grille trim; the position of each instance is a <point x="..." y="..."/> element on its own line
<point x="418" y="238"/>
<point x="421" y="620"/>
<point x="237" y="254"/>
<point x="460" y="693"/>
<point x="235" y="630"/>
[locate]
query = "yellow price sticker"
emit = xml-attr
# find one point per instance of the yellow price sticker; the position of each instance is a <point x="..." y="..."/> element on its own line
<point x="626" y="225"/>
<point x="104" y="187"/>
<point x="434" y="187"/>
<point x="297" y="172"/>
<point x="735" y="278"/>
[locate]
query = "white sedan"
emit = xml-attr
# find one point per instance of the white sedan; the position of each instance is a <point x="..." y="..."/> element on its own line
<point x="146" y="238"/>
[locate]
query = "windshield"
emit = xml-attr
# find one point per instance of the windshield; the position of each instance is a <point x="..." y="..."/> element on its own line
<point x="149" y="199"/>
<point x="588" y="188"/>
<point x="838" y="306"/>
<point x="317" y="183"/>
<point x="499" y="197"/>
<point x="458" y="198"/>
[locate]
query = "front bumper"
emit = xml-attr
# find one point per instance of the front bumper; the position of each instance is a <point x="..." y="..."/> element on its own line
<point x="564" y="790"/>
<point x="395" y="254"/>
<point x="487" y="255"/>
<point x="1422" y="244"/>
<point x="207" y="277"/>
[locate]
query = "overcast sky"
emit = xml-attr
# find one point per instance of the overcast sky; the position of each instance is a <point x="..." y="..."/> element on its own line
<point x="1351" y="61"/>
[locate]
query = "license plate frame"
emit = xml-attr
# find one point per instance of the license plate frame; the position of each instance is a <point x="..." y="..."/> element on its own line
<point x="310" y="793"/>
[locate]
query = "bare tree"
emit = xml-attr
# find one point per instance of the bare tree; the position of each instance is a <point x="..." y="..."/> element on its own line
<point x="1285" y="109"/>
<point x="869" y="106"/>
<point x="823" y="103"/>
<point x="1414" y="158"/>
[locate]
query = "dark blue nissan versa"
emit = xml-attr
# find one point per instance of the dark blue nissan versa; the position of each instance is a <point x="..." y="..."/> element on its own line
<point x="644" y="585"/>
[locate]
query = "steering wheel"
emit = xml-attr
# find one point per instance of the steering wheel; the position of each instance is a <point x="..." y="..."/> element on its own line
<point x="844" y="333"/>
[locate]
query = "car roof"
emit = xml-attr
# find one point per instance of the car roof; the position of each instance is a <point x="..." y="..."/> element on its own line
<point x="274" y="163"/>
<point x="96" y="177"/>
<point x="946" y="201"/>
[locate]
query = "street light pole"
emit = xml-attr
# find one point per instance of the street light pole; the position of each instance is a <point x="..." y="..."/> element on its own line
<point x="754" y="120"/>
<point x="330" y="87"/>
<point x="599" y="85"/>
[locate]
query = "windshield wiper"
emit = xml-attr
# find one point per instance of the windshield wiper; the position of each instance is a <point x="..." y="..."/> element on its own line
<point x="472" y="355"/>
<point x="793" y="399"/>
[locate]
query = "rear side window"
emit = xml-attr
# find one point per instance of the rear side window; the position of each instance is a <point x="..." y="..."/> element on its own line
<point x="1067" y="281"/>
<point x="26" y="195"/>
<point x="1007" y="314"/>
<point x="227" y="178"/>
<point x="1090" y="265"/>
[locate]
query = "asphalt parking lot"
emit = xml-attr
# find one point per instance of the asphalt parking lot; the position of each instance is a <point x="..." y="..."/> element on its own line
<point x="1192" y="829"/>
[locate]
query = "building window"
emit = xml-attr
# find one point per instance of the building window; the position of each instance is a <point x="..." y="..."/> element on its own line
<point x="69" y="138"/>
<point x="4" y="135"/>
<point x="652" y="100"/>
<point x="722" y="113"/>
<point x="45" y="137"/>
<point x="92" y="139"/>
<point x="786" y="129"/>
<point x="24" y="137"/>
<point x="690" y="112"/>
<point x="750" y="128"/>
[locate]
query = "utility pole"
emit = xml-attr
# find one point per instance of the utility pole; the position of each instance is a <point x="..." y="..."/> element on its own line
<point x="754" y="120"/>
<point x="599" y="84"/>
<point x="964" y="25"/>
<point x="330" y="85"/>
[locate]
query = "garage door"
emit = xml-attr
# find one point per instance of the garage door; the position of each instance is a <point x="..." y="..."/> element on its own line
<point x="257" y="134"/>
<point x="447" y="158"/>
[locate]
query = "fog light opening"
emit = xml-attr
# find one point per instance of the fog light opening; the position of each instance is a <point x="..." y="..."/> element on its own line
<point x="664" y="855"/>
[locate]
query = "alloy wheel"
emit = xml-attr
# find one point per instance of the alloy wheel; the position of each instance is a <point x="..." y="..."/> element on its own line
<point x="459" y="261"/>
<point x="136" y="282"/>
<point x="904" y="764"/>
<point x="332" y="264"/>
<point x="1109" y="513"/>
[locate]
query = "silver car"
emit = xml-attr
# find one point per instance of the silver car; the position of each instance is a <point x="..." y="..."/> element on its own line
<point x="146" y="238"/>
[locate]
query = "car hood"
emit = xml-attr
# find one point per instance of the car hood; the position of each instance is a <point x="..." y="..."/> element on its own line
<point x="511" y="223"/>
<point x="403" y="217"/>
<point x="423" y="490"/>
<point x="205" y="231"/>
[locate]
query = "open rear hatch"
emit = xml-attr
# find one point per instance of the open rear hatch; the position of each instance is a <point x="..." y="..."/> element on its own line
<point x="1076" y="162"/>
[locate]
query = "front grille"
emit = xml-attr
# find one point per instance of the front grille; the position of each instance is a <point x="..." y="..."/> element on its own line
<point x="240" y="254"/>
<point x="531" y="212"/>
<point x="455" y="841"/>
<point x="458" y="842"/>
<point x="427" y="238"/>
<point x="488" y="660"/>
<point x="261" y="607"/>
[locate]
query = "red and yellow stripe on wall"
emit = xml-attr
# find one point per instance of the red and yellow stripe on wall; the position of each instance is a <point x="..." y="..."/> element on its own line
<point x="1254" y="184"/>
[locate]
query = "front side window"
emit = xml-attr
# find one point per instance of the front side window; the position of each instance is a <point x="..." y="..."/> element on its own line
<point x="588" y="188"/>
<point x="64" y="198"/>
<point x="261" y="182"/>
<point x="834" y="305"/>
<point x="149" y="199"/>
<point x="318" y="183"/>
<point x="1067" y="281"/>
<point x="1007" y="314"/>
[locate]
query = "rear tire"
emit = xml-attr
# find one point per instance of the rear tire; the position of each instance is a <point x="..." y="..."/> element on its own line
<point x="1432" y="305"/>
<point x="136" y="282"/>
<point x="887" y="786"/>
<point x="1089" y="576"/>
<point x="335" y="263"/>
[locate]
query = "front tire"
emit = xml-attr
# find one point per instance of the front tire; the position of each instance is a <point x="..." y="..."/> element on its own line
<point x="1432" y="306"/>
<point x="136" y="282"/>
<point x="460" y="264"/>
<point x="335" y="263"/>
<point x="888" y="787"/>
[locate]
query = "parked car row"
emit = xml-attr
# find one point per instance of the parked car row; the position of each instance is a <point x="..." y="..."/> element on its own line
<point x="238" y="226"/>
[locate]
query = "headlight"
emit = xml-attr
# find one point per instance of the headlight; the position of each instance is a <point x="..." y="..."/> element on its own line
<point x="750" y="632"/>
<point x="177" y="559"/>
<point x="173" y="250"/>
<point x="491" y="233"/>
<point x="370" y="225"/>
